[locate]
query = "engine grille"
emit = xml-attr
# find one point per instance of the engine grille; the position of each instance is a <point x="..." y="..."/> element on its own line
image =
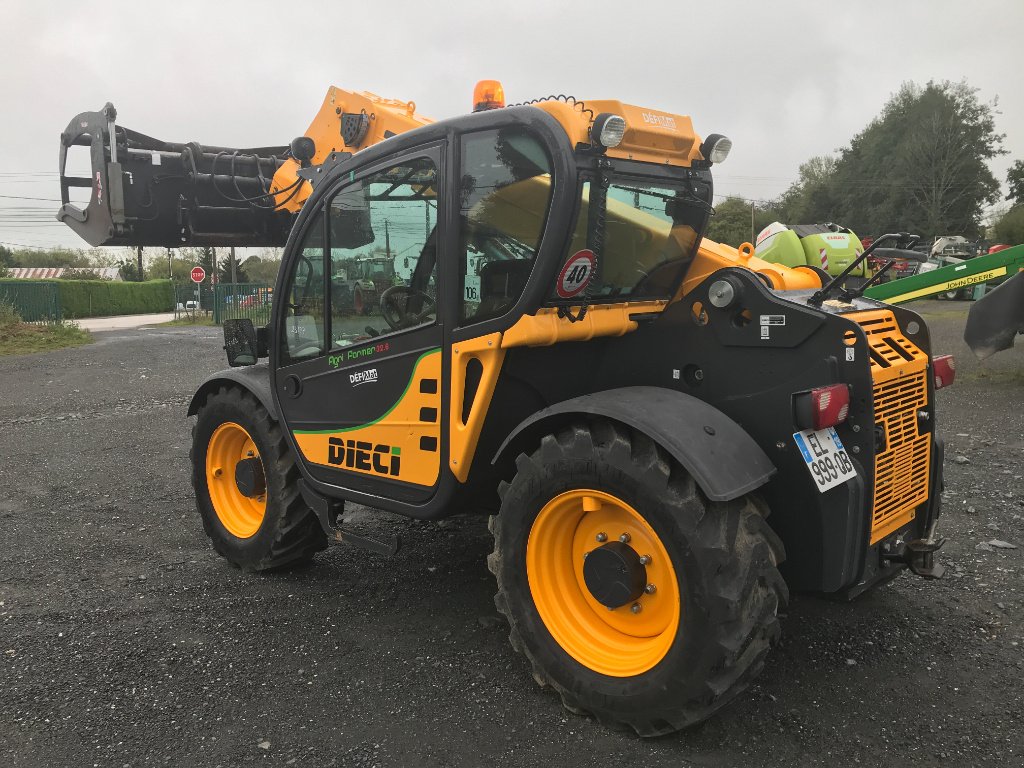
<point x="898" y="370"/>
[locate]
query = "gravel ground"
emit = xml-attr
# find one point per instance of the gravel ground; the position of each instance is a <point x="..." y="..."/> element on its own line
<point x="125" y="641"/>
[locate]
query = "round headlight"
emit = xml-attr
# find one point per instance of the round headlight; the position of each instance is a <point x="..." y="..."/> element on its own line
<point x="608" y="130"/>
<point x="716" y="148"/>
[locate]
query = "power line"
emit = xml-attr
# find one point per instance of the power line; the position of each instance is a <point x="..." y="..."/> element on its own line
<point x="22" y="197"/>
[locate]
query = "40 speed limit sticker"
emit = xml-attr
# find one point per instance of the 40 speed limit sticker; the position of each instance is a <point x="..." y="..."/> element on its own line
<point x="825" y="456"/>
<point x="575" y="274"/>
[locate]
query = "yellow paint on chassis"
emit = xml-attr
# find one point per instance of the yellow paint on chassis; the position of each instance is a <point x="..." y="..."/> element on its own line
<point x="618" y="643"/>
<point x="399" y="428"/>
<point x="240" y="515"/>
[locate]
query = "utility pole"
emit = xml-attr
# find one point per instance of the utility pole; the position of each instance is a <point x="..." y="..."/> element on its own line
<point x="170" y="272"/>
<point x="213" y="262"/>
<point x="387" y="239"/>
<point x="751" y="222"/>
<point x="138" y="250"/>
<point x="234" y="278"/>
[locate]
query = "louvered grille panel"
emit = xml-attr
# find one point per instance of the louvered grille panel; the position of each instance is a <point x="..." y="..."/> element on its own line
<point x="898" y="369"/>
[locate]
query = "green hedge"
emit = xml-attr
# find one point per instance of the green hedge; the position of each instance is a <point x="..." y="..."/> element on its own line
<point x="101" y="298"/>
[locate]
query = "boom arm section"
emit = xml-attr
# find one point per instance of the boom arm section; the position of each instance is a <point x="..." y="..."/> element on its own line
<point x="149" y="192"/>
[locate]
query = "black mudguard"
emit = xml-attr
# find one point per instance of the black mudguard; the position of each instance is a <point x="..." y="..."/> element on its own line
<point x="723" y="459"/>
<point x="254" y="378"/>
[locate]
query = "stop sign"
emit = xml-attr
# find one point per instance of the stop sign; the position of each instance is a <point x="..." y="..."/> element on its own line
<point x="198" y="274"/>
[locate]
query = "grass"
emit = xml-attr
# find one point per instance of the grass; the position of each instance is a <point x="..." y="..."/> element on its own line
<point x="186" y="321"/>
<point x="18" y="338"/>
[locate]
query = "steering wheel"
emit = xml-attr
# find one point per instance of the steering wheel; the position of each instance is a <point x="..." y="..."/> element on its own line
<point x="394" y="306"/>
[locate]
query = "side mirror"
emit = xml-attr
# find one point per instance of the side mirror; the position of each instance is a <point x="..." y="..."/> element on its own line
<point x="241" y="342"/>
<point x="349" y="219"/>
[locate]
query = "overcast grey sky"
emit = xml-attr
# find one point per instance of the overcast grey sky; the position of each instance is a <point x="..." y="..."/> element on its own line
<point x="786" y="80"/>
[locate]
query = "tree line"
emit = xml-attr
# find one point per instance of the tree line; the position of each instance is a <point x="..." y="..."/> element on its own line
<point x="921" y="166"/>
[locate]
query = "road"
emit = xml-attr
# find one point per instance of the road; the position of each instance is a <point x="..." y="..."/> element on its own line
<point x="125" y="641"/>
<point x="123" y="322"/>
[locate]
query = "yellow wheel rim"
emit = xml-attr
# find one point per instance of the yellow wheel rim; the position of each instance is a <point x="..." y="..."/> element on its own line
<point x="241" y="515"/>
<point x="622" y="642"/>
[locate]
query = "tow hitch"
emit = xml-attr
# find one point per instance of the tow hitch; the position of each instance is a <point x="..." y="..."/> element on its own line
<point x="918" y="554"/>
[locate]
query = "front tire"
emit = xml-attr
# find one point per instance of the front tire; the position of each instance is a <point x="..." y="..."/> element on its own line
<point x="661" y="659"/>
<point x="271" y="528"/>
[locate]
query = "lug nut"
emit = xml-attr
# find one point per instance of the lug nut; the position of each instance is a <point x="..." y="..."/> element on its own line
<point x="645" y="559"/>
<point x="650" y="589"/>
<point x="602" y="536"/>
<point x="636" y="608"/>
<point x="624" y="538"/>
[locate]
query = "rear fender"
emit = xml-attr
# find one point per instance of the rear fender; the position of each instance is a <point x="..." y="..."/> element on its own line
<point x="253" y="378"/>
<point x="722" y="458"/>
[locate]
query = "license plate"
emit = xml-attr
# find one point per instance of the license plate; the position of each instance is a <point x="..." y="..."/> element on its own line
<point x="825" y="456"/>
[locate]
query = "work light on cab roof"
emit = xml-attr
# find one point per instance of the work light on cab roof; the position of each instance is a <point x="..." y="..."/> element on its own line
<point x="608" y="130"/>
<point x="716" y="148"/>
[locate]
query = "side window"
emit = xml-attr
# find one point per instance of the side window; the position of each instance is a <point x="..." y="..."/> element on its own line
<point x="650" y="237"/>
<point x="505" y="193"/>
<point x="383" y="261"/>
<point x="303" y="329"/>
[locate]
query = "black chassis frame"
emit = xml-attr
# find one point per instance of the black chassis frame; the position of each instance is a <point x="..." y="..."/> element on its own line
<point x="750" y="381"/>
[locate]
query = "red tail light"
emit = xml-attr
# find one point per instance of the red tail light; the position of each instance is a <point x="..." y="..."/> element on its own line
<point x="944" y="370"/>
<point x="830" y="405"/>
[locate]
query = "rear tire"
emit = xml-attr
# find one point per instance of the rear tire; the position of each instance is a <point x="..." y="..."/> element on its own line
<point x="725" y="597"/>
<point x="286" y="531"/>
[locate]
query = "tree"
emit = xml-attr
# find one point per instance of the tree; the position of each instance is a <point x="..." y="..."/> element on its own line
<point x="1010" y="227"/>
<point x="1015" y="180"/>
<point x="205" y="260"/>
<point x="6" y="257"/>
<point x="813" y="199"/>
<point x="81" y="273"/>
<point x="262" y="269"/>
<point x="731" y="222"/>
<point x="921" y="165"/>
<point x="128" y="269"/>
<point x="224" y="271"/>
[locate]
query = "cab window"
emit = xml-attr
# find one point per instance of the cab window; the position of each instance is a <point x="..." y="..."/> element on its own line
<point x="383" y="253"/>
<point x="505" y="193"/>
<point x="303" y="328"/>
<point x="651" y="233"/>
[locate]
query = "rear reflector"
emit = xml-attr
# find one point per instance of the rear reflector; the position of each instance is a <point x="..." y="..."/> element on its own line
<point x="830" y="405"/>
<point x="944" y="370"/>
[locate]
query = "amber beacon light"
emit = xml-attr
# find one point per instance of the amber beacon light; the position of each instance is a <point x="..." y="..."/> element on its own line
<point x="488" y="94"/>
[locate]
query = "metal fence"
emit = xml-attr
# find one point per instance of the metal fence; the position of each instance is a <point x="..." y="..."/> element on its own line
<point x="35" y="302"/>
<point x="232" y="301"/>
<point x="192" y="301"/>
<point x="224" y="301"/>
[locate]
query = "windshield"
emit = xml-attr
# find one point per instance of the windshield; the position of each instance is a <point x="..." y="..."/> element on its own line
<point x="651" y="231"/>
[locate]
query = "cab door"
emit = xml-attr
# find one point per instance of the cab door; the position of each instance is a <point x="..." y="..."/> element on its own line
<point x="360" y="338"/>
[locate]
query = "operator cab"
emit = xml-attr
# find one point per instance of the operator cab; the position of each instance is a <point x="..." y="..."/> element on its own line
<point x="476" y="223"/>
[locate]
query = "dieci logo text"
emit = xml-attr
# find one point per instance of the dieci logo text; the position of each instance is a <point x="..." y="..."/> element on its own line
<point x="365" y="456"/>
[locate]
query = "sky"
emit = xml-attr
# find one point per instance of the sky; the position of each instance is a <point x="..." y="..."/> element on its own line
<point x="785" y="80"/>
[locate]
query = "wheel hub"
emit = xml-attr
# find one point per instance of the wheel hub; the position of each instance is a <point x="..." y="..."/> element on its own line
<point x="249" y="478"/>
<point x="614" y="574"/>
